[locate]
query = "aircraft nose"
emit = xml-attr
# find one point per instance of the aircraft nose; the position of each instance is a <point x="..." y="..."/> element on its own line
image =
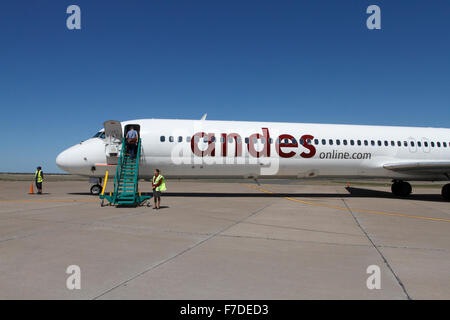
<point x="70" y="159"/>
<point x="63" y="160"/>
<point x="80" y="158"/>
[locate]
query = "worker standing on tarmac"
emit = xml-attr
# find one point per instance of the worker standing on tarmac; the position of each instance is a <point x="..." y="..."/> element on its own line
<point x="39" y="178"/>
<point x="158" y="185"/>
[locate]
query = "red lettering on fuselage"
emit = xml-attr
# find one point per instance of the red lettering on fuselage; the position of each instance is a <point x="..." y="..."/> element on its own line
<point x="228" y="138"/>
<point x="265" y="152"/>
<point x="306" y="143"/>
<point x="210" y="151"/>
<point x="283" y="142"/>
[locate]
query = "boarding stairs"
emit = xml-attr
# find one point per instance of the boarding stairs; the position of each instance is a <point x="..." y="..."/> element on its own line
<point x="126" y="180"/>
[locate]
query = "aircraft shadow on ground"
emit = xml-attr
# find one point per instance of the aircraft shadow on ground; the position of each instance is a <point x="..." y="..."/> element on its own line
<point x="352" y="193"/>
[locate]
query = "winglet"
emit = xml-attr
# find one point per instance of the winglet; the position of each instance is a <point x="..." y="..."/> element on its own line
<point x="204" y="116"/>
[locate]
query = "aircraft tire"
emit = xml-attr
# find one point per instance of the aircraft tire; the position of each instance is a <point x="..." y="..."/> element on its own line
<point x="446" y="191"/>
<point x="96" y="189"/>
<point x="401" y="188"/>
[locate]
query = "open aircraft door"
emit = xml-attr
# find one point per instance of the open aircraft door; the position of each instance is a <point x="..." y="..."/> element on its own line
<point x="113" y="140"/>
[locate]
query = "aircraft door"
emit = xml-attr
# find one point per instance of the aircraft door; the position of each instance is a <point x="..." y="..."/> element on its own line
<point x="113" y="140"/>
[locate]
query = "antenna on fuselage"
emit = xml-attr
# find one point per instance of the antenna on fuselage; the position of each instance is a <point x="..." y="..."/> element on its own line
<point x="204" y="116"/>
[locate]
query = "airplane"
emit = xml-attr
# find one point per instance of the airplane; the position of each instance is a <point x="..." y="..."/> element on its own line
<point x="253" y="150"/>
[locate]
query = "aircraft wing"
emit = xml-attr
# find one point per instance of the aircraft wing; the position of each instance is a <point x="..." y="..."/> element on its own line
<point x="420" y="167"/>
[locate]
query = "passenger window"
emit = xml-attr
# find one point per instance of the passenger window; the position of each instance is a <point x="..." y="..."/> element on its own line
<point x="302" y="142"/>
<point x="246" y="140"/>
<point x="386" y="143"/>
<point x="324" y="142"/>
<point x="438" y="144"/>
<point x="393" y="143"/>
<point x="331" y="142"/>
<point x="419" y="144"/>
<point x="352" y="142"/>
<point x="444" y="144"/>
<point x="432" y="144"/>
<point x="379" y="143"/>
<point x="188" y="139"/>
<point x="405" y="143"/>
<point x="316" y="141"/>
<point x="162" y="138"/>
<point x="213" y="139"/>
<point x="197" y="139"/>
<point x="399" y="143"/>
<point x="338" y="142"/>
<point x="412" y="143"/>
<point x="372" y="142"/>
<point x="425" y="144"/>
<point x="180" y="139"/>
<point x="170" y="139"/>
<point x="366" y="143"/>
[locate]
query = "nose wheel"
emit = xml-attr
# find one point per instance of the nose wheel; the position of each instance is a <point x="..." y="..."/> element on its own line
<point x="96" y="189"/>
<point x="401" y="188"/>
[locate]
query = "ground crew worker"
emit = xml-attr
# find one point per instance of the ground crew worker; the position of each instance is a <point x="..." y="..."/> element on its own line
<point x="39" y="178"/>
<point x="132" y="142"/>
<point x="158" y="185"/>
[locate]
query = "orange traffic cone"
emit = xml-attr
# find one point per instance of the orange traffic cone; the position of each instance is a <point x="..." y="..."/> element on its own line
<point x="31" y="189"/>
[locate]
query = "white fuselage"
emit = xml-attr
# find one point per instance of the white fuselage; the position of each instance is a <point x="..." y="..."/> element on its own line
<point x="205" y="148"/>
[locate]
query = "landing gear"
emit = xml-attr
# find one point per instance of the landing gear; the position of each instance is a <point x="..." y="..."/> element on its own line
<point x="401" y="188"/>
<point x="446" y="192"/>
<point x="96" y="189"/>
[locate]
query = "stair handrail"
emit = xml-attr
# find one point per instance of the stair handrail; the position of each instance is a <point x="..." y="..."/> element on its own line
<point x="119" y="171"/>
<point x="136" y="173"/>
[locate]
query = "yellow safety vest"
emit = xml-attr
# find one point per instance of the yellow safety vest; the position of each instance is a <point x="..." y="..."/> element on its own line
<point x="38" y="176"/>
<point x="162" y="186"/>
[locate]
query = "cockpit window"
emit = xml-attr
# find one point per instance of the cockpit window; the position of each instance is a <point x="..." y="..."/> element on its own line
<point x="100" y="134"/>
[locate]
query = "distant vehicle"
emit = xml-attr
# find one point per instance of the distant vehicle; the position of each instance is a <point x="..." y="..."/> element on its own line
<point x="240" y="149"/>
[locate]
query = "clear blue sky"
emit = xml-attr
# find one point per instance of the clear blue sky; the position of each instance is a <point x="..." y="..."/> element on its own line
<point x="302" y="61"/>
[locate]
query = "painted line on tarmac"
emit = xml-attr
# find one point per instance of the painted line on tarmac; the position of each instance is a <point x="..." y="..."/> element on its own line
<point x="50" y="200"/>
<point x="354" y="210"/>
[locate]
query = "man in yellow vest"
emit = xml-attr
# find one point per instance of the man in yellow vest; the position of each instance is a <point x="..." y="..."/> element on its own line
<point x="39" y="178"/>
<point x="158" y="185"/>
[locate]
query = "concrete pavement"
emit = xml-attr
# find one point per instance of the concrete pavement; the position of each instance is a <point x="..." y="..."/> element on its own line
<point x="216" y="240"/>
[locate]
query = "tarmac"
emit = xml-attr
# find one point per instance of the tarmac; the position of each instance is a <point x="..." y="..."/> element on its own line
<point x="225" y="240"/>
